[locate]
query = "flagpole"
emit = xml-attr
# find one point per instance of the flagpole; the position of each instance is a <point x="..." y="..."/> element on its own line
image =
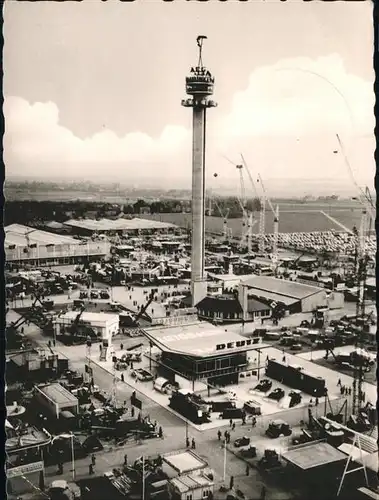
<point x="143" y="477"/>
<point x="224" y="459"/>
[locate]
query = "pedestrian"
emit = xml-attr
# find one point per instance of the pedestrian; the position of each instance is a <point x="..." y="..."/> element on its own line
<point x="343" y="390"/>
<point x="125" y="459"/>
<point x="90" y="469"/>
<point x="132" y="411"/>
<point x="187" y="442"/>
<point x="243" y="419"/>
<point x="93" y="459"/>
<point x="316" y="402"/>
<point x="254" y="421"/>
<point x="339" y="383"/>
<point x="247" y="469"/>
<point x="233" y="426"/>
<point x="121" y="347"/>
<point x="228" y="438"/>
<point x="122" y="377"/>
<point x="230" y="422"/>
<point x="160" y="432"/>
<point x="284" y="359"/>
<point x="231" y="483"/>
<point x="219" y="435"/>
<point x="263" y="493"/>
<point x="226" y="434"/>
<point x="193" y="444"/>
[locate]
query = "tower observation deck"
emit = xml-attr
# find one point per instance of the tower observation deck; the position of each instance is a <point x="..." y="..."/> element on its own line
<point x="199" y="85"/>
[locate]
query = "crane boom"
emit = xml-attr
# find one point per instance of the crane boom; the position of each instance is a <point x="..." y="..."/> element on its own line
<point x="249" y="175"/>
<point x="265" y="194"/>
<point x="364" y="196"/>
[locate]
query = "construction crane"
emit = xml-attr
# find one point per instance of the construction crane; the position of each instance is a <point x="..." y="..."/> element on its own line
<point x="242" y="202"/>
<point x="274" y="256"/>
<point x="361" y="263"/>
<point x="364" y="196"/>
<point x="74" y="326"/>
<point x="226" y="231"/>
<point x="144" y="308"/>
<point x="361" y="276"/>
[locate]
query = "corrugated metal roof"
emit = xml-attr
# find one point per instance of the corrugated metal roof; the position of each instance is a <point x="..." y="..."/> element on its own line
<point x="118" y="224"/>
<point x="272" y="297"/>
<point x="15" y="235"/>
<point x="281" y="287"/>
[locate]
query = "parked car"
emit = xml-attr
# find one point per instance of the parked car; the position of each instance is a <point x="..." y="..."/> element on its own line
<point x="264" y="385"/>
<point x="296" y="347"/>
<point x="278" y="428"/>
<point x="277" y="394"/>
<point x="243" y="441"/>
<point x="295" y="398"/>
<point x="142" y="375"/>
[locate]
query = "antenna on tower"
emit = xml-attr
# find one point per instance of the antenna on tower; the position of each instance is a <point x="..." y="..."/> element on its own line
<point x="199" y="41"/>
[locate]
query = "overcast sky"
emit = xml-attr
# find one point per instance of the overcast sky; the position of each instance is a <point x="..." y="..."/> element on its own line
<point x="93" y="90"/>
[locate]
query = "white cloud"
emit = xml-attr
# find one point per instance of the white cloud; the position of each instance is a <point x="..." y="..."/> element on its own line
<point x="284" y="121"/>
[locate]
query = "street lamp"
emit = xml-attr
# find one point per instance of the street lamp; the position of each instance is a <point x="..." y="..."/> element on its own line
<point x="71" y="437"/>
<point x="224" y="476"/>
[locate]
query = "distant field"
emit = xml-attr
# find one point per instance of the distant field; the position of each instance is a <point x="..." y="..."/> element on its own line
<point x="13" y="195"/>
<point x="295" y="216"/>
<point x="290" y="222"/>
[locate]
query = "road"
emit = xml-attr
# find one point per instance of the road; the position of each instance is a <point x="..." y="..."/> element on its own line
<point x="174" y="429"/>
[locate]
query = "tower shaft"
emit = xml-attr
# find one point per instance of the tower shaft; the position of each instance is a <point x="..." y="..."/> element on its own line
<point x="198" y="197"/>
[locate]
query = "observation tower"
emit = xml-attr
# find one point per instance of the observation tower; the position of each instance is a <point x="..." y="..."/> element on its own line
<point x="199" y="85"/>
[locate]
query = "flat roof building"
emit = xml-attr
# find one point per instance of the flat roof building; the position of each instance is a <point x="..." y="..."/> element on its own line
<point x="56" y="398"/>
<point x="25" y="244"/>
<point x="202" y="352"/>
<point x="103" y="325"/>
<point x="125" y="226"/>
<point x="296" y="297"/>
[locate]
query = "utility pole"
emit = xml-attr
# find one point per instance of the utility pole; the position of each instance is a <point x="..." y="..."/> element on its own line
<point x="143" y="477"/>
